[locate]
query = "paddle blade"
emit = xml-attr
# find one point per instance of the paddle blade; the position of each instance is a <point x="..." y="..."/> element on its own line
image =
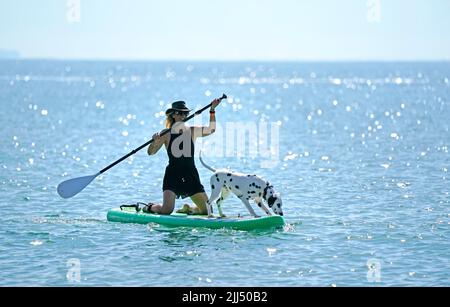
<point x="72" y="187"/>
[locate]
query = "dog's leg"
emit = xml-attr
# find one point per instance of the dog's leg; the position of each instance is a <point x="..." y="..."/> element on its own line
<point x="215" y="192"/>
<point x="260" y="204"/>
<point x="249" y="207"/>
<point x="223" y="196"/>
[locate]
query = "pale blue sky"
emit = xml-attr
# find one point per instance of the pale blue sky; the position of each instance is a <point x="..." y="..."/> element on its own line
<point x="228" y="29"/>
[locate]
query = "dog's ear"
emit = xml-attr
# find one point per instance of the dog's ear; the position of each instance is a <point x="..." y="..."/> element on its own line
<point x="271" y="201"/>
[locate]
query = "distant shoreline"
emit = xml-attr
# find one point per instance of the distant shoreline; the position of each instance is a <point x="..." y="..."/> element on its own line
<point x="6" y="54"/>
<point x="287" y="61"/>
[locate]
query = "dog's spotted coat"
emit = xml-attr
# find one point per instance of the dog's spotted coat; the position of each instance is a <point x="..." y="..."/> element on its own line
<point x="245" y="187"/>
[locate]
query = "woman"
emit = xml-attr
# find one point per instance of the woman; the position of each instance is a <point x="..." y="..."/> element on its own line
<point x="181" y="178"/>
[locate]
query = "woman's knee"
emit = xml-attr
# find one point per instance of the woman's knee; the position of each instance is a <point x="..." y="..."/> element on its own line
<point x="168" y="202"/>
<point x="200" y="200"/>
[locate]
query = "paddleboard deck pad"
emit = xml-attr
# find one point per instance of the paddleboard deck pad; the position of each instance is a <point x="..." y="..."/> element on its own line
<point x="130" y="215"/>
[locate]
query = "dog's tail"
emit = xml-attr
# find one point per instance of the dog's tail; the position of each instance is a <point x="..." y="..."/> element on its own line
<point x="204" y="164"/>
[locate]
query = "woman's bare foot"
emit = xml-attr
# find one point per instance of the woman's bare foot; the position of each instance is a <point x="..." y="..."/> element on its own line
<point x="186" y="209"/>
<point x="148" y="208"/>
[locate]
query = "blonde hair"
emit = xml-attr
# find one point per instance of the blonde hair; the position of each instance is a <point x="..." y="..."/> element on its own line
<point x="169" y="121"/>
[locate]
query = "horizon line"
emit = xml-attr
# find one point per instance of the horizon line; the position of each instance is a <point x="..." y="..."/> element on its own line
<point x="227" y="60"/>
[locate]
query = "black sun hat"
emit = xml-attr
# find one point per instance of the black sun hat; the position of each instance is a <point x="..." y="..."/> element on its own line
<point x="178" y="106"/>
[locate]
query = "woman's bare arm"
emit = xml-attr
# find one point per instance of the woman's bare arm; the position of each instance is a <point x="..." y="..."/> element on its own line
<point x="157" y="143"/>
<point x="211" y="128"/>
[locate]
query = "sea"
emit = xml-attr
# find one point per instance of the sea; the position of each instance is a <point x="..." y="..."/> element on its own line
<point x="357" y="150"/>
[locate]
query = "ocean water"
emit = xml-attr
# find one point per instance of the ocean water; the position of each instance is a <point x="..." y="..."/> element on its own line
<point x="360" y="158"/>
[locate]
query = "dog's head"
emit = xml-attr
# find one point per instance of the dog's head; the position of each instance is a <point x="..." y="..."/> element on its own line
<point x="273" y="200"/>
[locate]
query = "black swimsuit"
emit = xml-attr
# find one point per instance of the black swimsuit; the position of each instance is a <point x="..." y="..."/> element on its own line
<point x="181" y="176"/>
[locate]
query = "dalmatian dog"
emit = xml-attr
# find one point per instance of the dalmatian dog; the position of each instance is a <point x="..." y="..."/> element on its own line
<point x="245" y="187"/>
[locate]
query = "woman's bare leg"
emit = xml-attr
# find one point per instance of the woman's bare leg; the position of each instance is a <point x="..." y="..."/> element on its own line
<point x="168" y="203"/>
<point x="200" y="200"/>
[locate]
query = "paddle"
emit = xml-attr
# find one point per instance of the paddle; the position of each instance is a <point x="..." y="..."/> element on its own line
<point x="72" y="187"/>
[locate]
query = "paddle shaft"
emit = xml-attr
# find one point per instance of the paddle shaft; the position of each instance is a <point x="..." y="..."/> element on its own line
<point x="151" y="141"/>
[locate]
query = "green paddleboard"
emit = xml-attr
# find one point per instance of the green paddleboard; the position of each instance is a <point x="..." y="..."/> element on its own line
<point x="129" y="215"/>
